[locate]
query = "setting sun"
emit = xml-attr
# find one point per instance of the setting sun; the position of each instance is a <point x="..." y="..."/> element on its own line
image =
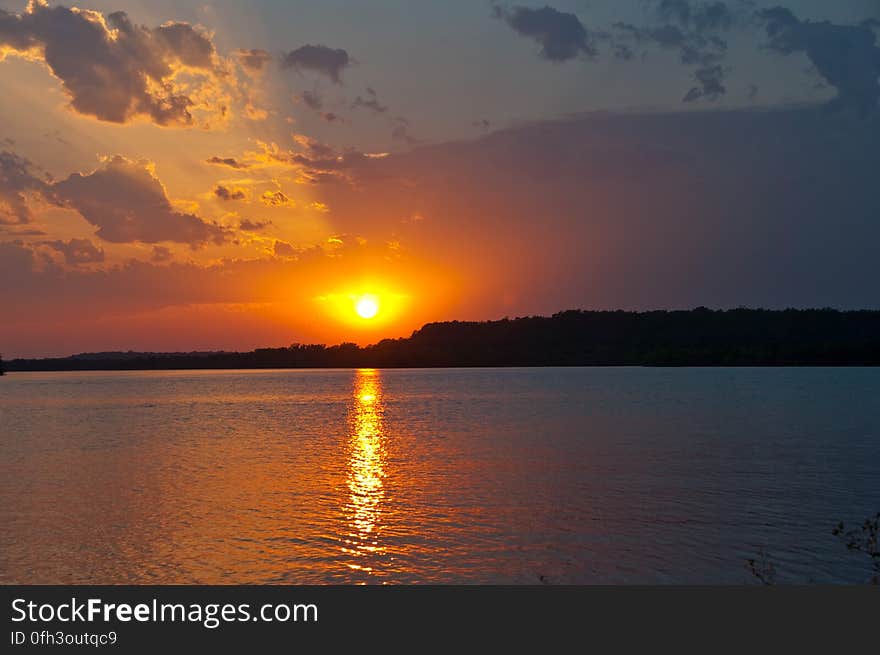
<point x="367" y="306"/>
<point x="367" y="309"/>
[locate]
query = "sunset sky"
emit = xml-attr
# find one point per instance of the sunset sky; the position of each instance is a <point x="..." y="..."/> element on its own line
<point x="226" y="175"/>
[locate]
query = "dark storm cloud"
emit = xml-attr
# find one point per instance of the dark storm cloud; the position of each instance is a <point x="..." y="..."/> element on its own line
<point x="78" y="251"/>
<point x="231" y="162"/>
<point x="225" y="193"/>
<point x="113" y="70"/>
<point x="17" y="180"/>
<point x="320" y="59"/>
<point x="846" y="56"/>
<point x="128" y="203"/>
<point x="772" y="208"/>
<point x="561" y="35"/>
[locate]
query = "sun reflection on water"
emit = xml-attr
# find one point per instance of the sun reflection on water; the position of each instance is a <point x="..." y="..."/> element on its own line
<point x="366" y="472"/>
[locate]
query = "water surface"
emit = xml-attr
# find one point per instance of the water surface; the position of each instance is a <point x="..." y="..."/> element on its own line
<point x="557" y="475"/>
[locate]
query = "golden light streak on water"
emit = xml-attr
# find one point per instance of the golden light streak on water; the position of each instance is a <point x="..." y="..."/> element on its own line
<point x="366" y="472"/>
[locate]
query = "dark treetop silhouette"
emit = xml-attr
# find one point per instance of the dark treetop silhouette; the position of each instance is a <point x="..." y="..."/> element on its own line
<point x="699" y="337"/>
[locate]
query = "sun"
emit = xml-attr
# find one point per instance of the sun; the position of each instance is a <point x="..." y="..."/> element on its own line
<point x="367" y="306"/>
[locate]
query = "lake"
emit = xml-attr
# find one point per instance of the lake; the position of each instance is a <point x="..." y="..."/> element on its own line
<point x="514" y="475"/>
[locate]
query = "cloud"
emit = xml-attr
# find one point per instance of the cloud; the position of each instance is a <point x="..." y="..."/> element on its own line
<point x="371" y="102"/>
<point x="320" y="59"/>
<point x="847" y="56"/>
<point x="561" y="35"/>
<point x="23" y="233"/>
<point x="275" y="199"/>
<point x="283" y="249"/>
<point x="695" y="30"/>
<point x="710" y="79"/>
<point x="313" y="101"/>
<point x="399" y="124"/>
<point x="231" y="162"/>
<point x="773" y="207"/>
<point x="319" y="164"/>
<point x="17" y="180"/>
<point x="225" y="193"/>
<point x="313" y="147"/>
<point x="400" y="131"/>
<point x="312" y="161"/>
<point x="127" y="203"/>
<point x="16" y="267"/>
<point x="253" y="226"/>
<point x="695" y="46"/>
<point x="114" y="70"/>
<point x="78" y="251"/>
<point x="161" y="254"/>
<point x="254" y="113"/>
<point x="254" y="60"/>
<point x="701" y="17"/>
<point x="44" y="303"/>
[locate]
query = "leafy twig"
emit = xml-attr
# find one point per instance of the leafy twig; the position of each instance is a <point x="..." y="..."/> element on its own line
<point x="762" y="568"/>
<point x="863" y="539"/>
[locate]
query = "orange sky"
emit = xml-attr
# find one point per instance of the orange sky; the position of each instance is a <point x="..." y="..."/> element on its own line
<point x="180" y="178"/>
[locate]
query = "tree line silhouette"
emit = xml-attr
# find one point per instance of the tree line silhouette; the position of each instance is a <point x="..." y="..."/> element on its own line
<point x="698" y="337"/>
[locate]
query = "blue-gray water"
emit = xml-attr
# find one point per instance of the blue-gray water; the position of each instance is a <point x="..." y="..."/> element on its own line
<point x="562" y="475"/>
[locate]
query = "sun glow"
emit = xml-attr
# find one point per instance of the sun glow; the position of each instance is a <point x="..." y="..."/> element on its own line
<point x="367" y="306"/>
<point x="370" y="307"/>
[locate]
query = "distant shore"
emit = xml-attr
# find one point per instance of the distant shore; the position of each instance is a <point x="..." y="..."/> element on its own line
<point x="698" y="337"/>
